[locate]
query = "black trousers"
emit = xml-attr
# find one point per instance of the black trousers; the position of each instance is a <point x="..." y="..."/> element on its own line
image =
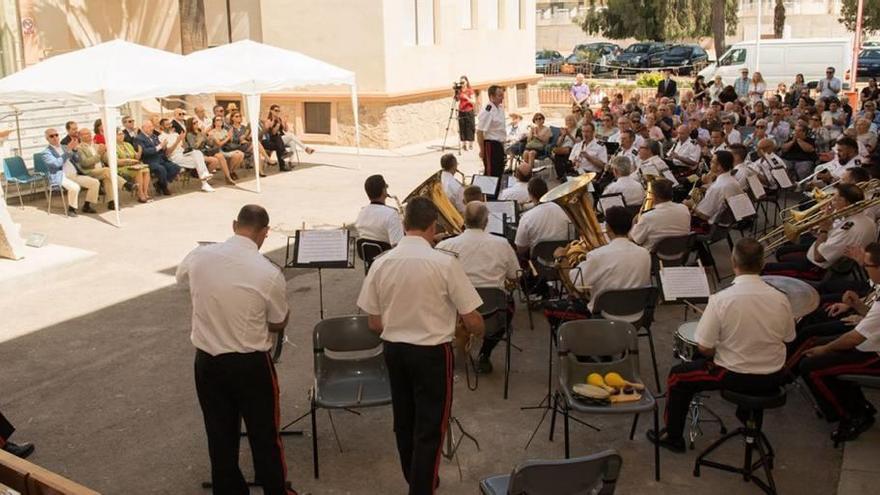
<point x="490" y="341"/>
<point x="836" y="398"/>
<point x="493" y="158"/>
<point x="421" y="399"/>
<point x="6" y="429"/>
<point x="686" y="379"/>
<point x="792" y="262"/>
<point x="466" y="126"/>
<point x="235" y="386"/>
<point x="274" y="142"/>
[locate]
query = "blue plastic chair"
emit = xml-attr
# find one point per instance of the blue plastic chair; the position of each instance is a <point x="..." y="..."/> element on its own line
<point x="16" y="172"/>
<point x="42" y="168"/>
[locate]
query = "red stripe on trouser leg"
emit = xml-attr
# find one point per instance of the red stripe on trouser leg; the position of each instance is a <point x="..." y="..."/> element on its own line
<point x="487" y="152"/>
<point x="701" y="375"/>
<point x="793" y="360"/>
<point x="447" y="409"/>
<point x="276" y="393"/>
<point x="859" y="368"/>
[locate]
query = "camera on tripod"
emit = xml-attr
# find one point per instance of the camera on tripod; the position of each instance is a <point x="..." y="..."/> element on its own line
<point x="457" y="87"/>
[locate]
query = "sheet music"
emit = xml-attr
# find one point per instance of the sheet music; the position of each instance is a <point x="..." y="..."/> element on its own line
<point x="741" y="206"/>
<point x="668" y="175"/>
<point x="486" y="183"/>
<point x="756" y="187"/>
<point x="684" y="282"/>
<point x="611" y="201"/>
<point x="495" y="224"/>
<point x="323" y="246"/>
<point x="503" y="208"/>
<point x="650" y="170"/>
<point x="781" y="177"/>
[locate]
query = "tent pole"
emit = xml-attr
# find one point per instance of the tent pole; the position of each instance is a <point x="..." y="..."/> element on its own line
<point x="109" y="122"/>
<point x="253" y="104"/>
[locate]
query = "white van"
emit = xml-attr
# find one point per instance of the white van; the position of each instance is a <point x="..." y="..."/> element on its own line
<point x="782" y="59"/>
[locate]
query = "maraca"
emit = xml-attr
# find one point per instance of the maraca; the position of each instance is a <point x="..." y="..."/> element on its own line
<point x="596" y="380"/>
<point x="615" y="380"/>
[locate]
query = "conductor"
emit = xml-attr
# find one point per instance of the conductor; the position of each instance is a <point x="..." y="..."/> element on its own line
<point x="239" y="301"/>
<point x="414" y="295"/>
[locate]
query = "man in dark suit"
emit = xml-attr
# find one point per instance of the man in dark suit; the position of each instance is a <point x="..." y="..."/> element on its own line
<point x="154" y="155"/>
<point x="667" y="86"/>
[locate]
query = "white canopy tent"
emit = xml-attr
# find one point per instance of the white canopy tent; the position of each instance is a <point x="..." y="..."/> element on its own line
<point x="252" y="68"/>
<point x="107" y="75"/>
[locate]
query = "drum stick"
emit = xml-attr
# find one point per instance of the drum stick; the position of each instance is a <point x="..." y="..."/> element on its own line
<point x="693" y="307"/>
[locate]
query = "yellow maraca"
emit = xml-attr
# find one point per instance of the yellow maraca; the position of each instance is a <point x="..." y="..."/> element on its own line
<point x="615" y="380"/>
<point x="595" y="379"/>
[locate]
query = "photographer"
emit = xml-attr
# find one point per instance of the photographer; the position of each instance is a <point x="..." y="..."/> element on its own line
<point x="464" y="94"/>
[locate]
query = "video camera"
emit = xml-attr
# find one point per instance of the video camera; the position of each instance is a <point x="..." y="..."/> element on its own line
<point x="457" y="87"/>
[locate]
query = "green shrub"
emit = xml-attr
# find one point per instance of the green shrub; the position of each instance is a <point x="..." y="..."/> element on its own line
<point x="649" y="79"/>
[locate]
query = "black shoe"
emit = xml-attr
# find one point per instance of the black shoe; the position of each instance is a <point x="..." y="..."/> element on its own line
<point x="71" y="211"/>
<point x="484" y="366"/>
<point x="285" y="167"/>
<point x="673" y="445"/>
<point x="129" y="186"/>
<point x="165" y="191"/>
<point x="849" y="430"/>
<point x="22" y="450"/>
<point x="111" y="205"/>
<point x="87" y="208"/>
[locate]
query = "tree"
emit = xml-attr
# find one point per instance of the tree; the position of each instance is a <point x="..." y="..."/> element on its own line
<point x="662" y="20"/>
<point x="778" y="19"/>
<point x="193" y="31"/>
<point x="870" y="15"/>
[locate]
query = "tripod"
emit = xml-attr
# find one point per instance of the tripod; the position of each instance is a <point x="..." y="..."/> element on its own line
<point x="451" y="445"/>
<point x="453" y="109"/>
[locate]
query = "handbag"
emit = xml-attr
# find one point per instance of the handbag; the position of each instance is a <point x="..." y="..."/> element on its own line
<point x="535" y="144"/>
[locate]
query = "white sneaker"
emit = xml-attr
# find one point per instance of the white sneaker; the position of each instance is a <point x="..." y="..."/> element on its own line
<point x="207" y="187"/>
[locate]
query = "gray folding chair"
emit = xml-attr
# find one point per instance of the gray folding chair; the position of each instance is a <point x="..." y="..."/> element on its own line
<point x="494" y="312"/>
<point x="599" y="346"/>
<point x="350" y="370"/>
<point x="543" y="261"/>
<point x="635" y="306"/>
<point x="593" y="474"/>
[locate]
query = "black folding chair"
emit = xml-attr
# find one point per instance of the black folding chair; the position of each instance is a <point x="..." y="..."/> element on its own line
<point x="368" y="249"/>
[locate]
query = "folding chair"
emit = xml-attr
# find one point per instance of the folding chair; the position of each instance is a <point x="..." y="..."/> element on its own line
<point x="16" y="172"/>
<point x="42" y="168"/>
<point x="595" y="474"/>
<point x="599" y="346"/>
<point x="368" y="250"/>
<point x="494" y="312"/>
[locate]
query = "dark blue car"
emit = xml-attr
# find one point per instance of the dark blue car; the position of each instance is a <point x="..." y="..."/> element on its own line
<point x="548" y="61"/>
<point x="869" y="63"/>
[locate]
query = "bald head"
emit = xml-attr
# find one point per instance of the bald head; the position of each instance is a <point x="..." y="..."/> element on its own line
<point x="476" y="215"/>
<point x="766" y="145"/>
<point x="524" y="171"/>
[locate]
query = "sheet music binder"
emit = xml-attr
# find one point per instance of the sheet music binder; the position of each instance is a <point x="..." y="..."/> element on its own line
<point x="294" y="260"/>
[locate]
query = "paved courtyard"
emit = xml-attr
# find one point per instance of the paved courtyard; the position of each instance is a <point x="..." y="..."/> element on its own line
<point x="96" y="363"/>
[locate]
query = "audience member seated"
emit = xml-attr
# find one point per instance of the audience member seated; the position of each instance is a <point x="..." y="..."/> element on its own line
<point x="90" y="158"/>
<point x="202" y="116"/>
<point x="129" y="131"/>
<point x="72" y="129"/>
<point x="562" y="147"/>
<point x="537" y="141"/>
<point x="190" y="159"/>
<point x="153" y="154"/>
<point x="239" y="141"/>
<point x="179" y="120"/>
<point x="62" y="172"/>
<point x="799" y="152"/>
<point x="99" y="132"/>
<point x="197" y="140"/>
<point x="488" y="261"/>
<point x="131" y="168"/>
<point x="517" y="133"/>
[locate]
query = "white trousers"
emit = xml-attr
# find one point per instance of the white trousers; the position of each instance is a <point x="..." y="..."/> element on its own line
<point x="194" y="160"/>
<point x="73" y="184"/>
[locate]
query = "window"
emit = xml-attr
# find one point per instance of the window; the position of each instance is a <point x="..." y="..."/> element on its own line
<point x="733" y="57"/>
<point x="522" y="95"/>
<point x="488" y="16"/>
<point x="418" y="25"/>
<point x="468" y="13"/>
<point x="317" y="117"/>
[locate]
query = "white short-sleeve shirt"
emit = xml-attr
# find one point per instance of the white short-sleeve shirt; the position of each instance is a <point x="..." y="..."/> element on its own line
<point x="747" y="324"/>
<point x="234" y="291"/>
<point x="518" y="192"/>
<point x="666" y="219"/>
<point x="630" y="187"/>
<point x="869" y="328"/>
<point x="453" y="190"/>
<point x="491" y="122"/>
<point x="620" y="264"/>
<point x="379" y="222"/>
<point x="418" y="292"/>
<point x="687" y="149"/>
<point x="594" y="149"/>
<point x="544" y="222"/>
<point x="713" y="202"/>
<point x="858" y="230"/>
<point x="488" y="260"/>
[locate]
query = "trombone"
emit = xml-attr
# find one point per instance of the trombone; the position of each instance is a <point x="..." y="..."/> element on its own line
<point x="808" y="220"/>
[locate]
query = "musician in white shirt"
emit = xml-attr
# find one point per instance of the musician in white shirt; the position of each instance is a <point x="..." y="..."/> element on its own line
<point x="767" y="162"/>
<point x="519" y="191"/>
<point x="544" y="222"/>
<point x="685" y="153"/>
<point x="453" y="189"/>
<point x="628" y="147"/>
<point x="847" y="157"/>
<point x="649" y="157"/>
<point x="625" y="183"/>
<point x="588" y="155"/>
<point x="378" y="221"/>
<point x="731" y="135"/>
<point x="741" y="169"/>
<point x="742" y="335"/>
<point x="488" y="261"/>
<point x="666" y="219"/>
<point x="724" y="186"/>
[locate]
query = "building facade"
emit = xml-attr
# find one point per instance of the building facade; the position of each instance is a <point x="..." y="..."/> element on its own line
<point x="406" y="54"/>
<point x="803" y="19"/>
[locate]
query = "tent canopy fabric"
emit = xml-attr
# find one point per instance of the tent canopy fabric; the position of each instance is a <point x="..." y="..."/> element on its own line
<point x="249" y="67"/>
<point x="108" y="74"/>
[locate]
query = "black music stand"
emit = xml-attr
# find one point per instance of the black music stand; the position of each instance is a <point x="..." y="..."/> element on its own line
<point x="320" y="249"/>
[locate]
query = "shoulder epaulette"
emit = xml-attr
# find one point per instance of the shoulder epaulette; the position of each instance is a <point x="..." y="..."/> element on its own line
<point x="447" y="251"/>
<point x="488" y="108"/>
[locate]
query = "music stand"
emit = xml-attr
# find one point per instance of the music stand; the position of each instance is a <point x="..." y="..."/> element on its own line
<point x="320" y="249"/>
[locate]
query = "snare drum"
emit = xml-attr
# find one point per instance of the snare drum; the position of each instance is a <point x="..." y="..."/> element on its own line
<point x="684" y="346"/>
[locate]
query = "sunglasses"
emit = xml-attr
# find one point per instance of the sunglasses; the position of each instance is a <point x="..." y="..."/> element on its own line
<point x="536" y="119"/>
<point x="761" y="126"/>
<point x="53" y="135"/>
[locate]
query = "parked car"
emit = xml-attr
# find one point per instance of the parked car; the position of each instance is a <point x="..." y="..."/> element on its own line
<point x="638" y="54"/>
<point x="690" y="56"/>
<point x="869" y="62"/>
<point x="597" y="54"/>
<point x="548" y="61"/>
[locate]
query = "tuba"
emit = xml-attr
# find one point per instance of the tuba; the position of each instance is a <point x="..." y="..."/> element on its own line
<point x="574" y="198"/>
<point x="450" y="221"/>
<point x="648" y="203"/>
